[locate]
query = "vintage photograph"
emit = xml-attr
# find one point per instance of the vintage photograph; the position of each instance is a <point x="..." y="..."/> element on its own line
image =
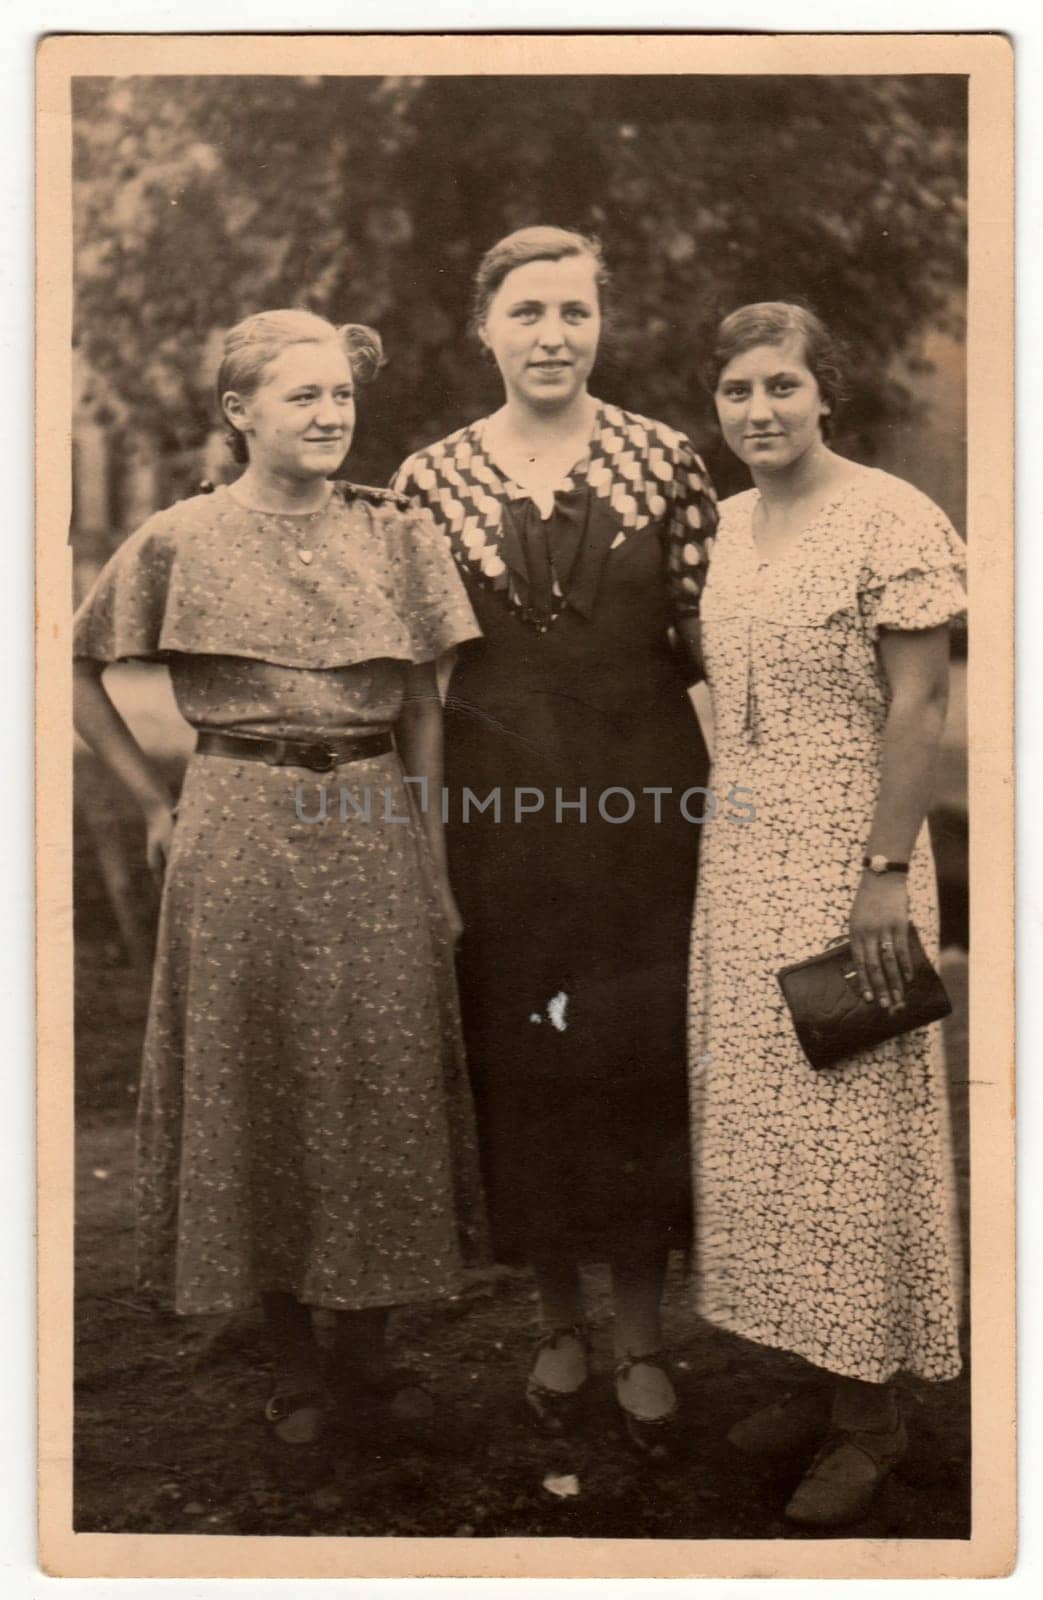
<point x="518" y="648"/>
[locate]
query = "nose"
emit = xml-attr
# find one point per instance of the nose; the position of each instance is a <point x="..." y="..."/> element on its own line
<point x="759" y="410"/>
<point x="552" y="332"/>
<point x="327" y="412"/>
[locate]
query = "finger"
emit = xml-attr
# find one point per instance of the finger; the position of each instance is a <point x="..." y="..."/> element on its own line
<point x="889" y="962"/>
<point x="157" y="861"/>
<point x="877" y="977"/>
<point x="858" y="952"/>
<point x="903" y="952"/>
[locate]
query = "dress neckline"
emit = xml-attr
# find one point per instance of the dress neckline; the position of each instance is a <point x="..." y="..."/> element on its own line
<point x="295" y="516"/>
<point x="781" y="563"/>
<point x="518" y="491"/>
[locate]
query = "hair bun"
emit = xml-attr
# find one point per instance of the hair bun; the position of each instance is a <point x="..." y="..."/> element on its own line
<point x="365" y="350"/>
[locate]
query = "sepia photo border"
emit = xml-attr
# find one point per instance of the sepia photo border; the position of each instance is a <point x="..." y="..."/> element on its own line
<point x="987" y="61"/>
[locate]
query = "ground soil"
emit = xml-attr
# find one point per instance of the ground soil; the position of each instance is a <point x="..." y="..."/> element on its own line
<point x="169" y="1436"/>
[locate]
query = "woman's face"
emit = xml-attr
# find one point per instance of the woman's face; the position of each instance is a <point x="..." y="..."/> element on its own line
<point x="769" y="405"/>
<point x="299" y="421"/>
<point x="542" y="326"/>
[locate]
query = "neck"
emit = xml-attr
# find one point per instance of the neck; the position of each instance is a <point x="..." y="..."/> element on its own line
<point x="803" y="477"/>
<point x="541" y="426"/>
<point x="268" y="489"/>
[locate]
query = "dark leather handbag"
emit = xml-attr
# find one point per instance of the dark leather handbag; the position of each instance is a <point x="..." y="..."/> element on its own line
<point x="832" y="1020"/>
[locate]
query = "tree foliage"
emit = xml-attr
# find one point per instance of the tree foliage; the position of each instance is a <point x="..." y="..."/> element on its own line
<point x="199" y="200"/>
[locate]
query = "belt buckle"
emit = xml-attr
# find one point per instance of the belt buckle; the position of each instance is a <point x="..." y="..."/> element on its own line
<point x="320" y="757"/>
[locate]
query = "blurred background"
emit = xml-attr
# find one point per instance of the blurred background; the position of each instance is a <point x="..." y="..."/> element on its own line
<point x="201" y="199"/>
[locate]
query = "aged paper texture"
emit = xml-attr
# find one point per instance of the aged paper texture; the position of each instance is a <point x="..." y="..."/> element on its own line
<point x="131" y="137"/>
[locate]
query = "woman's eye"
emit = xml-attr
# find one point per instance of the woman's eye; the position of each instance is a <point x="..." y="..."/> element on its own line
<point x="576" y="314"/>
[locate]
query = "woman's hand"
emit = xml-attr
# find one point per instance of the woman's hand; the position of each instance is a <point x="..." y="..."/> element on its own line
<point x="880" y="938"/>
<point x="453" y="920"/>
<point x="159" y="831"/>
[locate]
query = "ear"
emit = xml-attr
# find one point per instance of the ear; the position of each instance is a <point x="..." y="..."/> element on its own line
<point x="234" y="408"/>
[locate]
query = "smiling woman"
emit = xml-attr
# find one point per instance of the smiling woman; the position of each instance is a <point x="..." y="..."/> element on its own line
<point x="305" y="1134"/>
<point x="822" y="1199"/>
<point x="580" y="530"/>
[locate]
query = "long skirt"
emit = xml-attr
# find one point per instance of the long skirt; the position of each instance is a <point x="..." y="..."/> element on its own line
<point x="304" y="1120"/>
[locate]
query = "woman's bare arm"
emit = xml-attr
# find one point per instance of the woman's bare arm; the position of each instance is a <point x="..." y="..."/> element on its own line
<point x="100" y="725"/>
<point x="917" y="668"/>
<point x="418" y="735"/>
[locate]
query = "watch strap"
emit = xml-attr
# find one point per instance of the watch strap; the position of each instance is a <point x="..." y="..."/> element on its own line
<point x="880" y="865"/>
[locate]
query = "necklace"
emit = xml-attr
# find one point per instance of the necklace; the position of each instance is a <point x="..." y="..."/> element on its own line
<point x="292" y="520"/>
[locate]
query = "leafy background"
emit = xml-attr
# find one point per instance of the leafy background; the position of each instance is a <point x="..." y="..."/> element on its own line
<point x="201" y="199"/>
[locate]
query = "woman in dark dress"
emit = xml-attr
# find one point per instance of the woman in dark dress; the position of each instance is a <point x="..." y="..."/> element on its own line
<point x="580" y="531"/>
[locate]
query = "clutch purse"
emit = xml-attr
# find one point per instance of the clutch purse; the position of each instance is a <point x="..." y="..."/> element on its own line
<point x="831" y="1018"/>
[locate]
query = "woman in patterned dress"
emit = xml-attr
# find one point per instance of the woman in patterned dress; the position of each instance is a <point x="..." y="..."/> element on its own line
<point x="578" y="529"/>
<point x="823" y="1199"/>
<point x="304" y="1133"/>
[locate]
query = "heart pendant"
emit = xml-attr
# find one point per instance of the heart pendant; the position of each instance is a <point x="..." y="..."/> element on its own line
<point x="307" y="556"/>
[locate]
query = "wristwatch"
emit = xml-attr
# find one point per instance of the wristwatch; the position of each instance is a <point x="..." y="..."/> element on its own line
<point x="878" y="865"/>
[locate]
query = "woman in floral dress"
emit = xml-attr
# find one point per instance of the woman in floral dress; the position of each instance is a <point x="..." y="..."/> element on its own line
<point x="305" y="1134"/>
<point x="579" y="530"/>
<point x="823" y="1199"/>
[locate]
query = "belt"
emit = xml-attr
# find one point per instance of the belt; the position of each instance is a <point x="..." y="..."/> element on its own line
<point x="320" y="755"/>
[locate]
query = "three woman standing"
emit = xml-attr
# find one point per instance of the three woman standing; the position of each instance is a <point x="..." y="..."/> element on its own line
<point x="305" y="1132"/>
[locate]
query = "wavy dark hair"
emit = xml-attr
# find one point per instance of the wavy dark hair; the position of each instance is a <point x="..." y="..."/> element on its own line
<point x="774" y="322"/>
<point x="253" y="344"/>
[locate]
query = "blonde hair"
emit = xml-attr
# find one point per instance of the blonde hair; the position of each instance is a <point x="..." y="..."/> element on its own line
<point x="253" y="344"/>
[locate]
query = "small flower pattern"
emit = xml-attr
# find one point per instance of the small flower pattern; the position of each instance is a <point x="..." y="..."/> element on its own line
<point x="824" y="1205"/>
<point x="304" y="1122"/>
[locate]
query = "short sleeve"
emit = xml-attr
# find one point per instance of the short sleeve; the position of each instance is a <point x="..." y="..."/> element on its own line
<point x="122" y="615"/>
<point x="916" y="567"/>
<point x="690" y="531"/>
<point x="401" y="482"/>
<point x="429" y="595"/>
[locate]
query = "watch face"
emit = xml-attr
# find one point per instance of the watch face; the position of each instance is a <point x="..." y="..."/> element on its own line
<point x="878" y="863"/>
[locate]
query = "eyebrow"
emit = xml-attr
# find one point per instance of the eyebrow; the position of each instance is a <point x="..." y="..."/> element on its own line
<point x="773" y="377"/>
<point x="532" y="300"/>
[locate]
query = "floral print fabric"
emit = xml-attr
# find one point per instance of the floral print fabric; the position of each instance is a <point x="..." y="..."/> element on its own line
<point x="824" y="1216"/>
<point x="210" y="577"/>
<point x="304" y="1121"/>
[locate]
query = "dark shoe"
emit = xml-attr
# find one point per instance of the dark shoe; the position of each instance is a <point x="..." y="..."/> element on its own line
<point x="379" y="1391"/>
<point x="841" y="1482"/>
<point x="556" y="1410"/>
<point x="795" y="1423"/>
<point x="657" y="1439"/>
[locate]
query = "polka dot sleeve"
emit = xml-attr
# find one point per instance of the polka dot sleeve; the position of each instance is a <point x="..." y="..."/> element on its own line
<point x="690" y="531"/>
